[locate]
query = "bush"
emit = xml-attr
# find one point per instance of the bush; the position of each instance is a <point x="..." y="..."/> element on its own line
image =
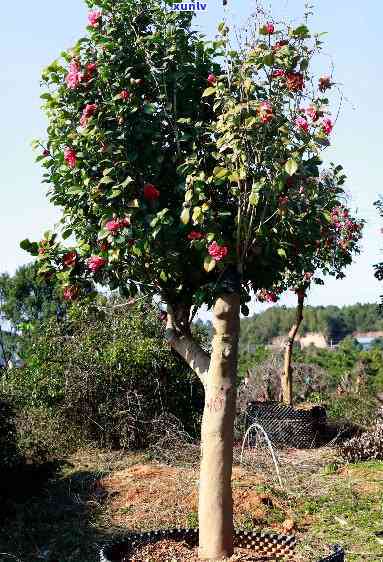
<point x="106" y="376"/>
<point x="9" y="452"/>
<point x="367" y="446"/>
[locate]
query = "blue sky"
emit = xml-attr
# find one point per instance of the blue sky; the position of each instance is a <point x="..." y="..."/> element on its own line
<point x="34" y="33"/>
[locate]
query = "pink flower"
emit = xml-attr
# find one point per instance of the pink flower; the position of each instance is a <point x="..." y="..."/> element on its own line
<point x="265" y="112"/>
<point x="269" y="28"/>
<point x="151" y="193"/>
<point x="70" y="157"/>
<point x="217" y="252"/>
<point x="312" y="112"/>
<point x="74" y="76"/>
<point x="124" y="95"/>
<point x="302" y="124"/>
<point x="308" y="276"/>
<point x="95" y="263"/>
<point x="211" y="79"/>
<point x="195" y="235"/>
<point x="283" y="201"/>
<point x="94" y="18"/>
<point x="278" y="73"/>
<point x="327" y="126"/>
<point x="71" y="292"/>
<point x="46" y="152"/>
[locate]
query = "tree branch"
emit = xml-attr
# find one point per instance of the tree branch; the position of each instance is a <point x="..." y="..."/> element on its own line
<point x="187" y="348"/>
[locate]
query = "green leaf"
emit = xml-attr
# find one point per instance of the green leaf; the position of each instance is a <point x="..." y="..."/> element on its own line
<point x="281" y="252"/>
<point x="75" y="190"/>
<point x="67" y="233"/>
<point x="302" y="32"/>
<point x="254" y="198"/>
<point x="209" y="264"/>
<point x="220" y="172"/>
<point x="106" y="180"/>
<point x="291" y="166"/>
<point x="209" y="92"/>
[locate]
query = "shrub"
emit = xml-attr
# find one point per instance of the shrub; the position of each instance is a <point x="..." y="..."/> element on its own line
<point x="107" y="376"/>
<point x="367" y="446"/>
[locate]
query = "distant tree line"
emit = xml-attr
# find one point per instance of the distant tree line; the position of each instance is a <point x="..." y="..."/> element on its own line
<point x="334" y="322"/>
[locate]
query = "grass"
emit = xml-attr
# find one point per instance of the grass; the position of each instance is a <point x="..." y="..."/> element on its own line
<point x="78" y="504"/>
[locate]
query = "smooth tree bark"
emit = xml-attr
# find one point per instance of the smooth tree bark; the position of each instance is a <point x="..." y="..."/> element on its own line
<point x="217" y="432"/>
<point x="218" y="374"/>
<point x="287" y="375"/>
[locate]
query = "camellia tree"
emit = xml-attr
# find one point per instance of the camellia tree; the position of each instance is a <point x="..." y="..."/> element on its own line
<point x="340" y="244"/>
<point x="194" y="180"/>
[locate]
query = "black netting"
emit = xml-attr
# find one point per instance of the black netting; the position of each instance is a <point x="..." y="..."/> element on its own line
<point x="267" y="545"/>
<point x="287" y="426"/>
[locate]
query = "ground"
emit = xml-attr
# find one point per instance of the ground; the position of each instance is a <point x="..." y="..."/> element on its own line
<point x="85" y="500"/>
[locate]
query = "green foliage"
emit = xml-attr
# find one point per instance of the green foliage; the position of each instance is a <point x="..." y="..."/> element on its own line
<point x="171" y="169"/>
<point x="105" y="376"/>
<point x="26" y="297"/>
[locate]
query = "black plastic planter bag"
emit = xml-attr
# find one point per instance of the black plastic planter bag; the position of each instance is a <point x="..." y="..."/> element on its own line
<point x="264" y="544"/>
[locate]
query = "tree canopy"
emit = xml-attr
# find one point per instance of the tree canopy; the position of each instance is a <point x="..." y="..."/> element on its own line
<point x="173" y="170"/>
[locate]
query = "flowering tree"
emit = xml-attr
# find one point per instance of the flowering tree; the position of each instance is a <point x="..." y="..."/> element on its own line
<point x="341" y="241"/>
<point x="192" y="180"/>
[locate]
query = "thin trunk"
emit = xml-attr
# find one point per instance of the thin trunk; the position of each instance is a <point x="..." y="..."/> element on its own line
<point x="215" y="494"/>
<point x="287" y="377"/>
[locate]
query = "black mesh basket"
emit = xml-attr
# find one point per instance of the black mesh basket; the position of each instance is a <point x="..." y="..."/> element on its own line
<point x="287" y="426"/>
<point x="267" y="545"/>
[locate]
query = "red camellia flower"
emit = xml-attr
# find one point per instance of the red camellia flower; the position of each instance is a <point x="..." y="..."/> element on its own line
<point x="283" y="200"/>
<point x="217" y="252"/>
<point x="279" y="45"/>
<point x="267" y="296"/>
<point x="325" y="83"/>
<point x="70" y="259"/>
<point x="113" y="226"/>
<point x="327" y="126"/>
<point x="151" y="193"/>
<point x="42" y="251"/>
<point x="308" y="276"/>
<point x="302" y="124"/>
<point x="89" y="110"/>
<point x="269" y="27"/>
<point x="95" y="263"/>
<point x="70" y="157"/>
<point x="124" y="95"/>
<point x="195" y="235"/>
<point x="46" y="152"/>
<point x="104" y="245"/>
<point x="265" y="112"/>
<point x="90" y="69"/>
<point x="71" y="292"/>
<point x="211" y="79"/>
<point x="278" y="73"/>
<point x="94" y="18"/>
<point x="312" y="112"/>
<point x="295" y="81"/>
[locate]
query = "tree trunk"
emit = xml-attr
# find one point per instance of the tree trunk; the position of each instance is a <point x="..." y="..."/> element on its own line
<point x="287" y="376"/>
<point x="215" y="494"/>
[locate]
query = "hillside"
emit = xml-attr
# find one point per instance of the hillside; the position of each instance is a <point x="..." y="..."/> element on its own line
<point x="333" y="321"/>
